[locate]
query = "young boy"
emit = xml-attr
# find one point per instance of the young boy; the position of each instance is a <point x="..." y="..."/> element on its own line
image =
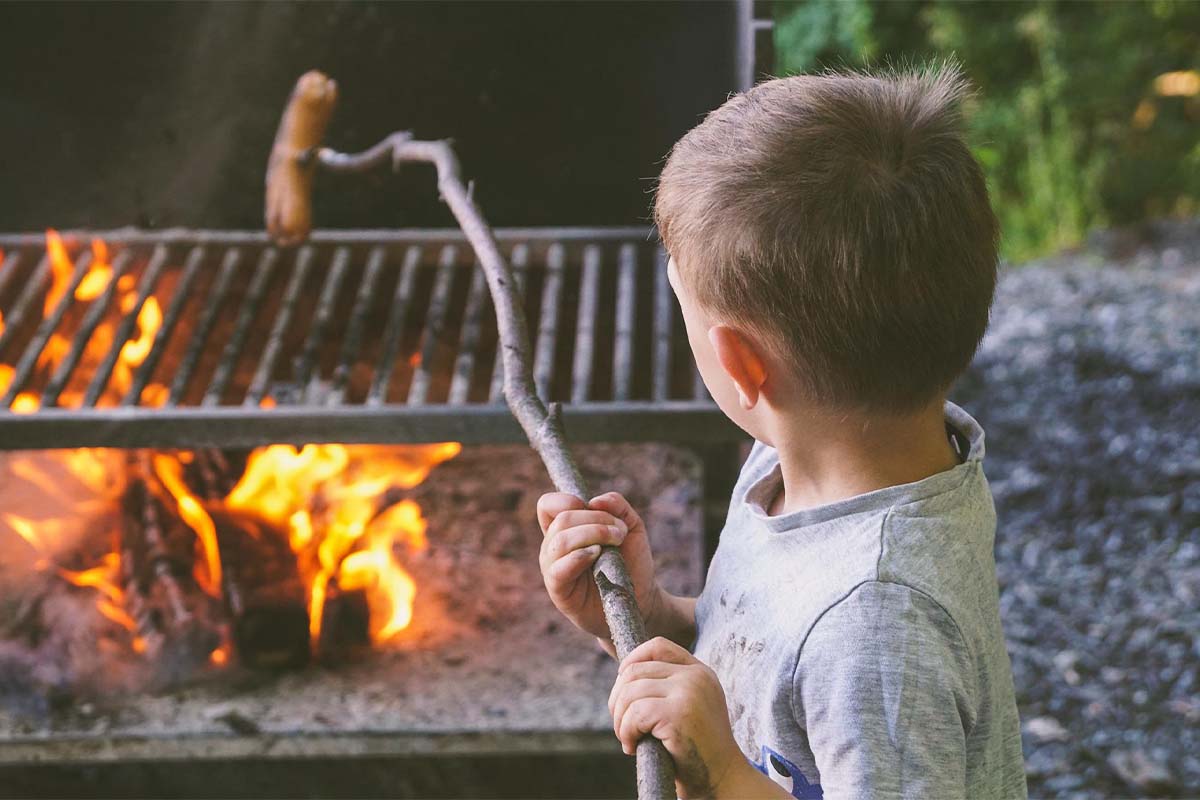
<point x="834" y="254"/>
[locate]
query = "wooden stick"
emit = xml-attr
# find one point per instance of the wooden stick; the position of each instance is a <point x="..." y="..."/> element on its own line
<point x="542" y="424"/>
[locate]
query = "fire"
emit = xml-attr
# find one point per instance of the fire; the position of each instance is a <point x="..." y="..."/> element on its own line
<point x="67" y="494"/>
<point x="102" y="578"/>
<point x="60" y="269"/>
<point x="337" y="505"/>
<point x="330" y="499"/>
<point x="134" y="351"/>
<point x="26" y="530"/>
<point x="170" y="472"/>
<point x="96" y="281"/>
<point x="374" y="566"/>
<point x="99" y="274"/>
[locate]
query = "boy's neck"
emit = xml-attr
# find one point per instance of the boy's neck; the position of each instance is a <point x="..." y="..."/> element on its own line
<point x="825" y="457"/>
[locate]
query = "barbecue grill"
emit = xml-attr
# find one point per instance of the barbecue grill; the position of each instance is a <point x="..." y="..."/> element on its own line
<point x="357" y="336"/>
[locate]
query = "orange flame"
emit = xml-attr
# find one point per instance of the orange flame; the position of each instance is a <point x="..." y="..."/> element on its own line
<point x="24" y="528"/>
<point x="60" y="268"/>
<point x="349" y="539"/>
<point x="102" y="578"/>
<point x="149" y="320"/>
<point x="375" y="568"/>
<point x="99" y="274"/>
<point x="170" y="472"/>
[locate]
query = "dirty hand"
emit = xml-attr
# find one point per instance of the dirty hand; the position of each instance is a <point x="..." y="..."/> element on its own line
<point x="662" y="690"/>
<point x="573" y="534"/>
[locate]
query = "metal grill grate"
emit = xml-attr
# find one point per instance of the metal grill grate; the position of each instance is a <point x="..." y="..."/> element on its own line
<point x="357" y="336"/>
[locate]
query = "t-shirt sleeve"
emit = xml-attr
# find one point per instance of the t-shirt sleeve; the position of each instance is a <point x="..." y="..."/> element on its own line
<point x="883" y="687"/>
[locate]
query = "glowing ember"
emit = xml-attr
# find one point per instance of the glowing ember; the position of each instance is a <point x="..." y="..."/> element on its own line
<point x="220" y="656"/>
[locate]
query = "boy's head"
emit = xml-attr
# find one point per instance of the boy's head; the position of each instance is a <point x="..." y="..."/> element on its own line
<point x="838" y="229"/>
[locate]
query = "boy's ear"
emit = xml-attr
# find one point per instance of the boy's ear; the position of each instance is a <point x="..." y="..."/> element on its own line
<point x="740" y="359"/>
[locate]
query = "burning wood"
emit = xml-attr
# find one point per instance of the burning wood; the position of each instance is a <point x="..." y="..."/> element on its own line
<point x="264" y="596"/>
<point x="343" y="522"/>
<point x="176" y="621"/>
<point x="261" y="586"/>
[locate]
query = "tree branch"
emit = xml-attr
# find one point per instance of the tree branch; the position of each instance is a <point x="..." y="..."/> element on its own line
<point x="542" y="425"/>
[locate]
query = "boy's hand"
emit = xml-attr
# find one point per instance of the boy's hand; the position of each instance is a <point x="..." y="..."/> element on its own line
<point x="573" y="536"/>
<point x="664" y="691"/>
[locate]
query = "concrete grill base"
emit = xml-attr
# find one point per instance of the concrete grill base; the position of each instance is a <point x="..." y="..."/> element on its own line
<point x="487" y="670"/>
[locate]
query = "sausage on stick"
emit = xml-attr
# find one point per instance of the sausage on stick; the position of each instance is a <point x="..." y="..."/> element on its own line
<point x="290" y="169"/>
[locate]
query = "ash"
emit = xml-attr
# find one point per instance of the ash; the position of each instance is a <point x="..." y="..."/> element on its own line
<point x="1088" y="386"/>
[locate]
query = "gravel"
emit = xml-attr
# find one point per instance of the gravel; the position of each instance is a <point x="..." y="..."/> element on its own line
<point x="1088" y="385"/>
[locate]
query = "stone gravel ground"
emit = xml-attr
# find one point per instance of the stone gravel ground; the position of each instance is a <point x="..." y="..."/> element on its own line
<point x="1088" y="386"/>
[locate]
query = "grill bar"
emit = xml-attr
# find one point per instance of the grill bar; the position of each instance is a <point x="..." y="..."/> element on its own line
<point x="306" y="361"/>
<point x="395" y="326"/>
<point x="352" y="342"/>
<point x="125" y="329"/>
<point x="45" y="330"/>
<point x="435" y="320"/>
<point x="266" y="364"/>
<point x="275" y="341"/>
<point x="662" y="327"/>
<point x="626" y="316"/>
<point x="216" y="297"/>
<point x="8" y="270"/>
<point x="254" y="297"/>
<point x="79" y="343"/>
<point x="543" y="359"/>
<point x="238" y="426"/>
<point x="460" y="384"/>
<point x="270" y="355"/>
<point x="585" y="331"/>
<point x="368" y="236"/>
<point x="182" y="293"/>
<point x="14" y="318"/>
<point x="322" y="330"/>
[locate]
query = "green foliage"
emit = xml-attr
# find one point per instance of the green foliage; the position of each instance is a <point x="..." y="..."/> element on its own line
<point x="1068" y="122"/>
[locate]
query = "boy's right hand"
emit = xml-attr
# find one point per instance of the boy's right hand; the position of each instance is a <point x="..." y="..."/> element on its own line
<point x="573" y="534"/>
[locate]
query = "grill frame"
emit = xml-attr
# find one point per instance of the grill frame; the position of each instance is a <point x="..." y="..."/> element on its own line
<point x="687" y="416"/>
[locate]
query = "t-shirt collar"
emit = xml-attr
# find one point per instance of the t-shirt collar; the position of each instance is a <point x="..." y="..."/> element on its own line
<point x="763" y="491"/>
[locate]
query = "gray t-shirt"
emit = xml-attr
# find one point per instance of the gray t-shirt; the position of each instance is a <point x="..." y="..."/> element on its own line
<point x="859" y="643"/>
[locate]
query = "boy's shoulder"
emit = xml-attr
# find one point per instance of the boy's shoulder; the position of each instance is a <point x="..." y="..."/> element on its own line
<point x="934" y="536"/>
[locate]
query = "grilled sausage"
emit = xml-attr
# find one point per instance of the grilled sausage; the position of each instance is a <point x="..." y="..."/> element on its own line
<point x="289" y="182"/>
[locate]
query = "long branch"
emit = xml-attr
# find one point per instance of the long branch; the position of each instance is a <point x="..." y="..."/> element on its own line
<point x="542" y="425"/>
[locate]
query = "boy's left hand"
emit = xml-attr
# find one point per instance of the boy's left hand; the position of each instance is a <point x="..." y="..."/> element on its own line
<point x="664" y="691"/>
